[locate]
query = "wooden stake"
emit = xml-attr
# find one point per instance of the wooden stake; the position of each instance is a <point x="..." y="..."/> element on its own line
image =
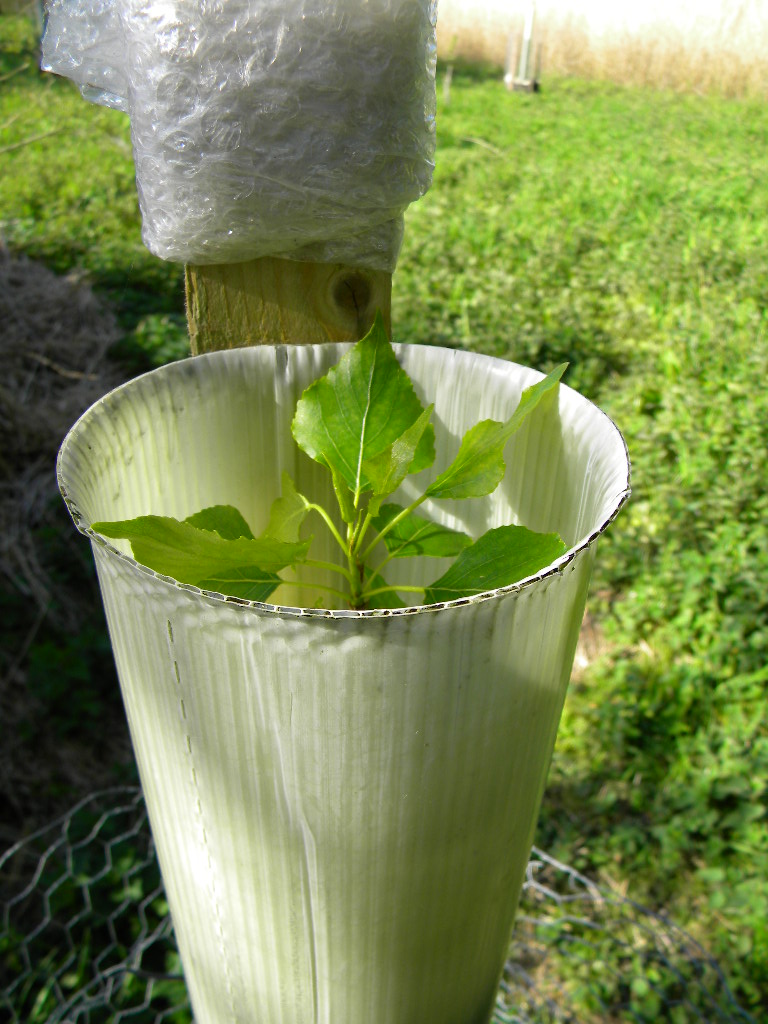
<point x="272" y="301"/>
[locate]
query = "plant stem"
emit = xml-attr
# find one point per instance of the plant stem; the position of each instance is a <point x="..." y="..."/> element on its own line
<point x="392" y="523"/>
<point x="330" y="524"/>
<point x="405" y="589"/>
<point x="380" y="566"/>
<point x="358" y="539"/>
<point x="315" y="563"/>
<point x="357" y="581"/>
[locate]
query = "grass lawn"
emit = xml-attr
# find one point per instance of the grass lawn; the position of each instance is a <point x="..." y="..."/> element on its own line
<point x="624" y="231"/>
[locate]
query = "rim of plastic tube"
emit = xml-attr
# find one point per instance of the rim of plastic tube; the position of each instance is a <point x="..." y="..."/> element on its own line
<point x="556" y="568"/>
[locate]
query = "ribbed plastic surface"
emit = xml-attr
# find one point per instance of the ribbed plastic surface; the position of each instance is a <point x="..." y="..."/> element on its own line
<point x="263" y="127"/>
<point x="343" y="803"/>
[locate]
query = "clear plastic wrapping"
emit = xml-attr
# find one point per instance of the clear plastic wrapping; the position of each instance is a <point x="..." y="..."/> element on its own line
<point x="297" y="128"/>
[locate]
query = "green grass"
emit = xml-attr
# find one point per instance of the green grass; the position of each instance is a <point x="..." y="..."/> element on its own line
<point x="622" y="230"/>
<point x="68" y="193"/>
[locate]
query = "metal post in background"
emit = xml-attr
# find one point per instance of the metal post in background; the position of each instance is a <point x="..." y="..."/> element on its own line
<point x="525" y="80"/>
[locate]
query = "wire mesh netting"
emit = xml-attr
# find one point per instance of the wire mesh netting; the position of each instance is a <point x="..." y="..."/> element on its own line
<point x="86" y="937"/>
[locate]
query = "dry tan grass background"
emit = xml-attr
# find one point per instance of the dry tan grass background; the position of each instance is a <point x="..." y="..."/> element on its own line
<point x="718" y="46"/>
<point x="704" y="46"/>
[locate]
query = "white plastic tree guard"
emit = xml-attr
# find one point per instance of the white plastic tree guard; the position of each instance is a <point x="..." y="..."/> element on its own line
<point x="343" y="802"/>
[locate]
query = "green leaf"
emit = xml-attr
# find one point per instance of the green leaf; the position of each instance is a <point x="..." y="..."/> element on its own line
<point x="251" y="583"/>
<point x="225" y="520"/>
<point x="190" y="555"/>
<point x="387" y="470"/>
<point x="499" y="558"/>
<point x="479" y="465"/>
<point x="360" y="408"/>
<point x="415" y="535"/>
<point x="287" y="513"/>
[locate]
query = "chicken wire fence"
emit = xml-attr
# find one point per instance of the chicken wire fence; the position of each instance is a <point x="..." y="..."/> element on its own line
<point x="86" y="937"/>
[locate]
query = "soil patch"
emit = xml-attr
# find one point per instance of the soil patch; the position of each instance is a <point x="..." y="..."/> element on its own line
<point x="63" y="731"/>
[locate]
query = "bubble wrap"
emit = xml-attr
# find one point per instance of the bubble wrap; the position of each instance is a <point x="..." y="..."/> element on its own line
<point x="296" y="128"/>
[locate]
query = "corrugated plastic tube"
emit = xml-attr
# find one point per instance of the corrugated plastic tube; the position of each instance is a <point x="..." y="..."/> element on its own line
<point x="343" y="802"/>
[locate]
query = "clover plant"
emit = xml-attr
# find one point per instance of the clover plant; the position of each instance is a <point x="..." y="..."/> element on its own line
<point x="364" y="422"/>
